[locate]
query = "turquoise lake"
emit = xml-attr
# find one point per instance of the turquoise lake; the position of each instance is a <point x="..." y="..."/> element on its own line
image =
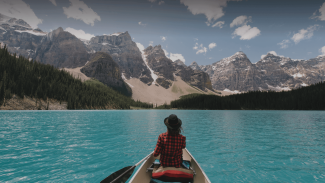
<point x="230" y="146"/>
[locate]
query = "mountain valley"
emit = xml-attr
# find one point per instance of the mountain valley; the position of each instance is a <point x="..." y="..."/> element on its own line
<point x="147" y="74"/>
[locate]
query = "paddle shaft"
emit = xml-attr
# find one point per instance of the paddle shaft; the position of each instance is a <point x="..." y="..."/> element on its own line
<point x="132" y="168"/>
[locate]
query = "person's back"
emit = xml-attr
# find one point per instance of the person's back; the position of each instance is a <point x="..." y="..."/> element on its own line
<point x="170" y="144"/>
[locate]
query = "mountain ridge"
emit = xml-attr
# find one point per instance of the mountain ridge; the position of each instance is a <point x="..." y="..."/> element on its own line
<point x="271" y="72"/>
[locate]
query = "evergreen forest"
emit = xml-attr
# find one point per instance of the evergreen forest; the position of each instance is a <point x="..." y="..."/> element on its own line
<point x="22" y="77"/>
<point x="306" y="98"/>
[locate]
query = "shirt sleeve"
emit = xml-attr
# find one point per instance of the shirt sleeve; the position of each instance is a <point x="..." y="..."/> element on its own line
<point x="184" y="142"/>
<point x="158" y="147"/>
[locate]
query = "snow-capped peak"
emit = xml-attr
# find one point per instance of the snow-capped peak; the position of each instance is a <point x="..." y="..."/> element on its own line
<point x="114" y="34"/>
<point x="228" y="60"/>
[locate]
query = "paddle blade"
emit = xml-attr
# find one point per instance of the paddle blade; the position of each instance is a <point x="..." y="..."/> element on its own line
<point x="122" y="175"/>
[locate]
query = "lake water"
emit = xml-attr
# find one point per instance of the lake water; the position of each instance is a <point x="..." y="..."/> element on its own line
<point x="231" y="146"/>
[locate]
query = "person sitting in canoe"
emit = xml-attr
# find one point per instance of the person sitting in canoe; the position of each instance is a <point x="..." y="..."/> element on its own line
<point x="171" y="143"/>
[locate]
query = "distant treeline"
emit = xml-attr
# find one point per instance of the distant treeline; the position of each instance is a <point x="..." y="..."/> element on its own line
<point x="30" y="78"/>
<point x="307" y="98"/>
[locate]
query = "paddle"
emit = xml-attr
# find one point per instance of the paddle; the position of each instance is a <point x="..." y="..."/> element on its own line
<point x="122" y="175"/>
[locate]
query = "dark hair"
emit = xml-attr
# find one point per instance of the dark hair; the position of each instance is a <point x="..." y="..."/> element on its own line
<point x="175" y="132"/>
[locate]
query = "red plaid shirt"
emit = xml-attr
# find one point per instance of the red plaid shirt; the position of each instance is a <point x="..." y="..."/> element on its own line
<point x="170" y="149"/>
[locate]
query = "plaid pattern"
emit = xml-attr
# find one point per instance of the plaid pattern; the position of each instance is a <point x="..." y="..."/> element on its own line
<point x="170" y="149"/>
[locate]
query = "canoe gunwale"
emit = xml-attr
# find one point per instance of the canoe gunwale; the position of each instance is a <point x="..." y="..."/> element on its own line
<point x="206" y="177"/>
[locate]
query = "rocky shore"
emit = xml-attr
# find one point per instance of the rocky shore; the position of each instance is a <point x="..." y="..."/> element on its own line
<point x="16" y="103"/>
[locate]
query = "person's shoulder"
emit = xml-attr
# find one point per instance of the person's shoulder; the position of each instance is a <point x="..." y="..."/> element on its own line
<point x="163" y="134"/>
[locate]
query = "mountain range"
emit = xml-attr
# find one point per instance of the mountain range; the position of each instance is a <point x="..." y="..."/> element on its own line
<point x="147" y="73"/>
<point x="272" y="72"/>
<point x="113" y="59"/>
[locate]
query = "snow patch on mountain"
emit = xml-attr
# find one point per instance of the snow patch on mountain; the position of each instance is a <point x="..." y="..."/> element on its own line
<point x="298" y="75"/>
<point x="228" y="60"/>
<point x="153" y="75"/>
<point x="278" y="88"/>
<point x="114" y="34"/>
<point x="32" y="32"/>
<point x="123" y="77"/>
<point x="234" y="92"/>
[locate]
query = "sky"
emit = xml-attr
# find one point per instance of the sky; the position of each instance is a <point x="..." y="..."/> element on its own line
<point x="204" y="31"/>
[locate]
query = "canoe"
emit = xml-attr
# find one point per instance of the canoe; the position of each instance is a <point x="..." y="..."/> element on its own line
<point x="144" y="176"/>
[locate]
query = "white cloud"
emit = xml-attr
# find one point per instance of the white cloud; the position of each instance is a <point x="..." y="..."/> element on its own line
<point x="53" y="2"/>
<point x="246" y="32"/>
<point x="150" y="43"/>
<point x="163" y="38"/>
<point x="200" y="48"/>
<point x="322" y="50"/>
<point x="284" y="44"/>
<point x="212" y="45"/>
<point x="176" y="56"/>
<point x="152" y="1"/>
<point x="219" y="24"/>
<point x="79" y="33"/>
<point x="247" y="46"/>
<point x="140" y="23"/>
<point x="321" y="12"/>
<point x="196" y="39"/>
<point x="304" y="34"/>
<point x="20" y="10"/>
<point x="166" y="53"/>
<point x="273" y="53"/>
<point x="241" y="20"/>
<point x="80" y="11"/>
<point x="161" y="2"/>
<point x="140" y="46"/>
<point x="212" y="9"/>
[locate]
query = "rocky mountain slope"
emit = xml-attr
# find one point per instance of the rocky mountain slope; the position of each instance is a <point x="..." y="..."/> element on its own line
<point x="19" y="37"/>
<point x="112" y="59"/>
<point x="124" y="52"/>
<point x="62" y="49"/>
<point x="151" y="66"/>
<point x="166" y="70"/>
<point x="102" y="67"/>
<point x="237" y="73"/>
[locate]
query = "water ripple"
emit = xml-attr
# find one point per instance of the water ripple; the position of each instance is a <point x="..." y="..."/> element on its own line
<point x="231" y="146"/>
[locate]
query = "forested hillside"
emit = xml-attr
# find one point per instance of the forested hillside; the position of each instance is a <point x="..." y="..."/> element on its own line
<point x="306" y="98"/>
<point x="30" y="78"/>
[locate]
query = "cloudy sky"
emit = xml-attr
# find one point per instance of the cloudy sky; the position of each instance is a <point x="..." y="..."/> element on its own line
<point x="204" y="31"/>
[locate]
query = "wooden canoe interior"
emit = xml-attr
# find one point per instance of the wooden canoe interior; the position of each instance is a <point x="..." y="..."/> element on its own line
<point x="142" y="176"/>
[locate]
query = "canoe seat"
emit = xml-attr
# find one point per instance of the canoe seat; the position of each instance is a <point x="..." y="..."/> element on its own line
<point x="172" y="174"/>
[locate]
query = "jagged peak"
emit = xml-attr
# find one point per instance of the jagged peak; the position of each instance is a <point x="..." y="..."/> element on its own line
<point x="12" y="20"/>
<point x="237" y="56"/>
<point x="116" y="34"/>
<point x="239" y="53"/>
<point x="179" y="62"/>
<point x="60" y="29"/>
<point x="55" y="32"/>
<point x="2" y="17"/>
<point x="194" y="63"/>
<point x="158" y="46"/>
<point x="149" y="48"/>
